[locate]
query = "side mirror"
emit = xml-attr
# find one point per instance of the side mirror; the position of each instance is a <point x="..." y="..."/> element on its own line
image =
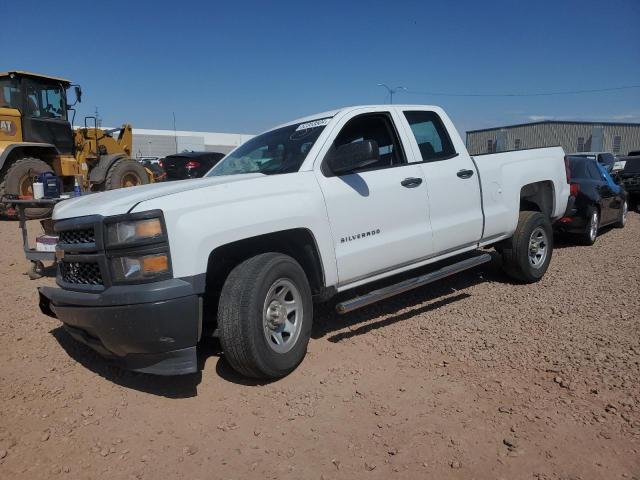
<point x="353" y="156"/>
<point x="78" y="91"/>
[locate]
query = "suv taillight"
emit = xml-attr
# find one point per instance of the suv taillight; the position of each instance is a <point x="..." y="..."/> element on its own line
<point x="574" y="189"/>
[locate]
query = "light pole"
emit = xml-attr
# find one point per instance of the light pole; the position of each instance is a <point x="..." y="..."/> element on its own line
<point x="391" y="90"/>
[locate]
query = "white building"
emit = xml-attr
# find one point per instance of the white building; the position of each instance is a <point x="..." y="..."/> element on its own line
<point x="160" y="143"/>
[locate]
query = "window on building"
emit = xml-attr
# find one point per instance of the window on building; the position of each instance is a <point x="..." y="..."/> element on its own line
<point x="580" y="144"/>
<point x="617" y="140"/>
<point x="516" y="144"/>
<point x="491" y="146"/>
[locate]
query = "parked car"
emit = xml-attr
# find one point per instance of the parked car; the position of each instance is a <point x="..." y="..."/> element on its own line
<point x="599" y="201"/>
<point x="298" y="214"/>
<point x="190" y="164"/>
<point x="629" y="179"/>
<point x="604" y="158"/>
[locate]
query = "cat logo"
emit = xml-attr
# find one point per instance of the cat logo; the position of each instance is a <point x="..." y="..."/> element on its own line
<point x="8" y="127"/>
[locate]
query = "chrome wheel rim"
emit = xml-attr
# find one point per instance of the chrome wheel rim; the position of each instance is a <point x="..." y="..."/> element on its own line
<point x="538" y="247"/>
<point x="282" y="316"/>
<point x="593" y="226"/>
<point x="625" y="209"/>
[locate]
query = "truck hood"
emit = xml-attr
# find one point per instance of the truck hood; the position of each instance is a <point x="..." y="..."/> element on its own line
<point x="116" y="202"/>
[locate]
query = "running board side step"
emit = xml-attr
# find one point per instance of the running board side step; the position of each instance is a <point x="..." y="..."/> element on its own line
<point x="411" y="283"/>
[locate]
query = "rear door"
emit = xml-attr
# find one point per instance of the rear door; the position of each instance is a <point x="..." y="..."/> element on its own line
<point x="378" y="215"/>
<point x="606" y="194"/>
<point x="452" y="181"/>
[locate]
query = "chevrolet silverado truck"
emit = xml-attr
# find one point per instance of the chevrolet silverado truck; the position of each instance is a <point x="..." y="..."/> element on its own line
<point x="292" y="217"/>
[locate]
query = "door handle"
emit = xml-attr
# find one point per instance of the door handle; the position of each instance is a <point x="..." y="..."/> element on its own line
<point x="411" y="182"/>
<point x="465" y="173"/>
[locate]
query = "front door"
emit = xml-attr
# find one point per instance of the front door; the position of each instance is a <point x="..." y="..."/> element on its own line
<point x="379" y="216"/>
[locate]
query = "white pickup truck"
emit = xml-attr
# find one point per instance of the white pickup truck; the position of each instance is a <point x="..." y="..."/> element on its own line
<point x="293" y="216"/>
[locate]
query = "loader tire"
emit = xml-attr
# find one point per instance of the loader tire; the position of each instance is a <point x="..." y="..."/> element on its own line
<point x="125" y="173"/>
<point x="526" y="255"/>
<point x="18" y="180"/>
<point x="265" y="315"/>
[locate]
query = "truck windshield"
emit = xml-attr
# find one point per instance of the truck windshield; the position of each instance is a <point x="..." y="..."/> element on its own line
<point x="278" y="151"/>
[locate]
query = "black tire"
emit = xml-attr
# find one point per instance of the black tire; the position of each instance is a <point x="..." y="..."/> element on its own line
<point x="532" y="226"/>
<point x="622" y="219"/>
<point x="242" y="309"/>
<point x="36" y="270"/>
<point x="589" y="236"/>
<point x="125" y="173"/>
<point x="12" y="182"/>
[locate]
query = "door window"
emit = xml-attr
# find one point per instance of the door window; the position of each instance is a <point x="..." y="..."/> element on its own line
<point x="433" y="139"/>
<point x="376" y="127"/>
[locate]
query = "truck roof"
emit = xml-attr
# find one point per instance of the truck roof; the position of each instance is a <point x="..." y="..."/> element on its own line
<point x="333" y="113"/>
<point x="22" y="73"/>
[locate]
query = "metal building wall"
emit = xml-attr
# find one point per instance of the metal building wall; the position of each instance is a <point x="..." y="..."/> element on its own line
<point x="548" y="134"/>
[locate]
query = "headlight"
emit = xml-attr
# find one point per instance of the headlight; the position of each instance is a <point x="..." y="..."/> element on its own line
<point x="128" y="232"/>
<point x="137" y="268"/>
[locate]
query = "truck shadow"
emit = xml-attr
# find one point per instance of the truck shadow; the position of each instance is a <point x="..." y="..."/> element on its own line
<point x="393" y="310"/>
<point x="183" y="386"/>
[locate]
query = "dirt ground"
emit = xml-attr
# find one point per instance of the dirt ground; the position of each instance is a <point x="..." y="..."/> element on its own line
<point x="472" y="378"/>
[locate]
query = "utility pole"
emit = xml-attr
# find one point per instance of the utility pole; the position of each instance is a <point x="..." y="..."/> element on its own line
<point x="391" y="90"/>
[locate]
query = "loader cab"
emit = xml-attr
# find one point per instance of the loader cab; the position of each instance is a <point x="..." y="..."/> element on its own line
<point x="42" y="103"/>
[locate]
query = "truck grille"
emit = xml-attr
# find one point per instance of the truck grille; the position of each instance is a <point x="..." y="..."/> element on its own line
<point x="78" y="237"/>
<point x="81" y="273"/>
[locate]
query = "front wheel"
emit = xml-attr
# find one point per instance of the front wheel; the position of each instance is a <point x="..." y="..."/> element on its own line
<point x="526" y="255"/>
<point x="265" y="315"/>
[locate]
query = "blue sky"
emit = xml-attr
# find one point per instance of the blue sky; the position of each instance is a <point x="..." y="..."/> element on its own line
<point x="235" y="66"/>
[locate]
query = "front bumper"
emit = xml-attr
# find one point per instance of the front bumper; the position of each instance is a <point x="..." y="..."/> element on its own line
<point x="151" y="328"/>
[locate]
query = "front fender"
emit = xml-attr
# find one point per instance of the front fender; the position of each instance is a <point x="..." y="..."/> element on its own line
<point x="199" y="221"/>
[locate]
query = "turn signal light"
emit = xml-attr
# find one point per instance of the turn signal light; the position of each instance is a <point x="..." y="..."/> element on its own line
<point x="155" y="263"/>
<point x="149" y="228"/>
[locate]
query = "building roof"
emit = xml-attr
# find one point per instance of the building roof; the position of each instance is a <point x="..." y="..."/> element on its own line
<point x="559" y="122"/>
<point x="36" y="75"/>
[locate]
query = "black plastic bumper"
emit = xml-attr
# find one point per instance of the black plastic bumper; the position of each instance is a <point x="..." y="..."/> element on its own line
<point x="152" y="328"/>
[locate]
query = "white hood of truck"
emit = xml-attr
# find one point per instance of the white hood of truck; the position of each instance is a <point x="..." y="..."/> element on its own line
<point x="116" y="202"/>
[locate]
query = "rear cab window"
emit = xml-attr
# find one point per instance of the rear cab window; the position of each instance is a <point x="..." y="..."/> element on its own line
<point x="582" y="168"/>
<point x="431" y="135"/>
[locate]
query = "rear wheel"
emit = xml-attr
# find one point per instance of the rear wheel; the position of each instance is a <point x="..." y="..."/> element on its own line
<point x="18" y="180"/>
<point x="264" y="316"/>
<point x="125" y="173"/>
<point x="588" y="237"/>
<point x="526" y="255"/>
<point x="622" y="220"/>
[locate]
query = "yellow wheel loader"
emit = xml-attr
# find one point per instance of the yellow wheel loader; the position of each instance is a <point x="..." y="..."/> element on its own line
<point x="36" y="136"/>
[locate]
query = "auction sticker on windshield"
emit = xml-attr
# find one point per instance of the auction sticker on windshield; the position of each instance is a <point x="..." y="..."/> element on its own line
<point x="316" y="123"/>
